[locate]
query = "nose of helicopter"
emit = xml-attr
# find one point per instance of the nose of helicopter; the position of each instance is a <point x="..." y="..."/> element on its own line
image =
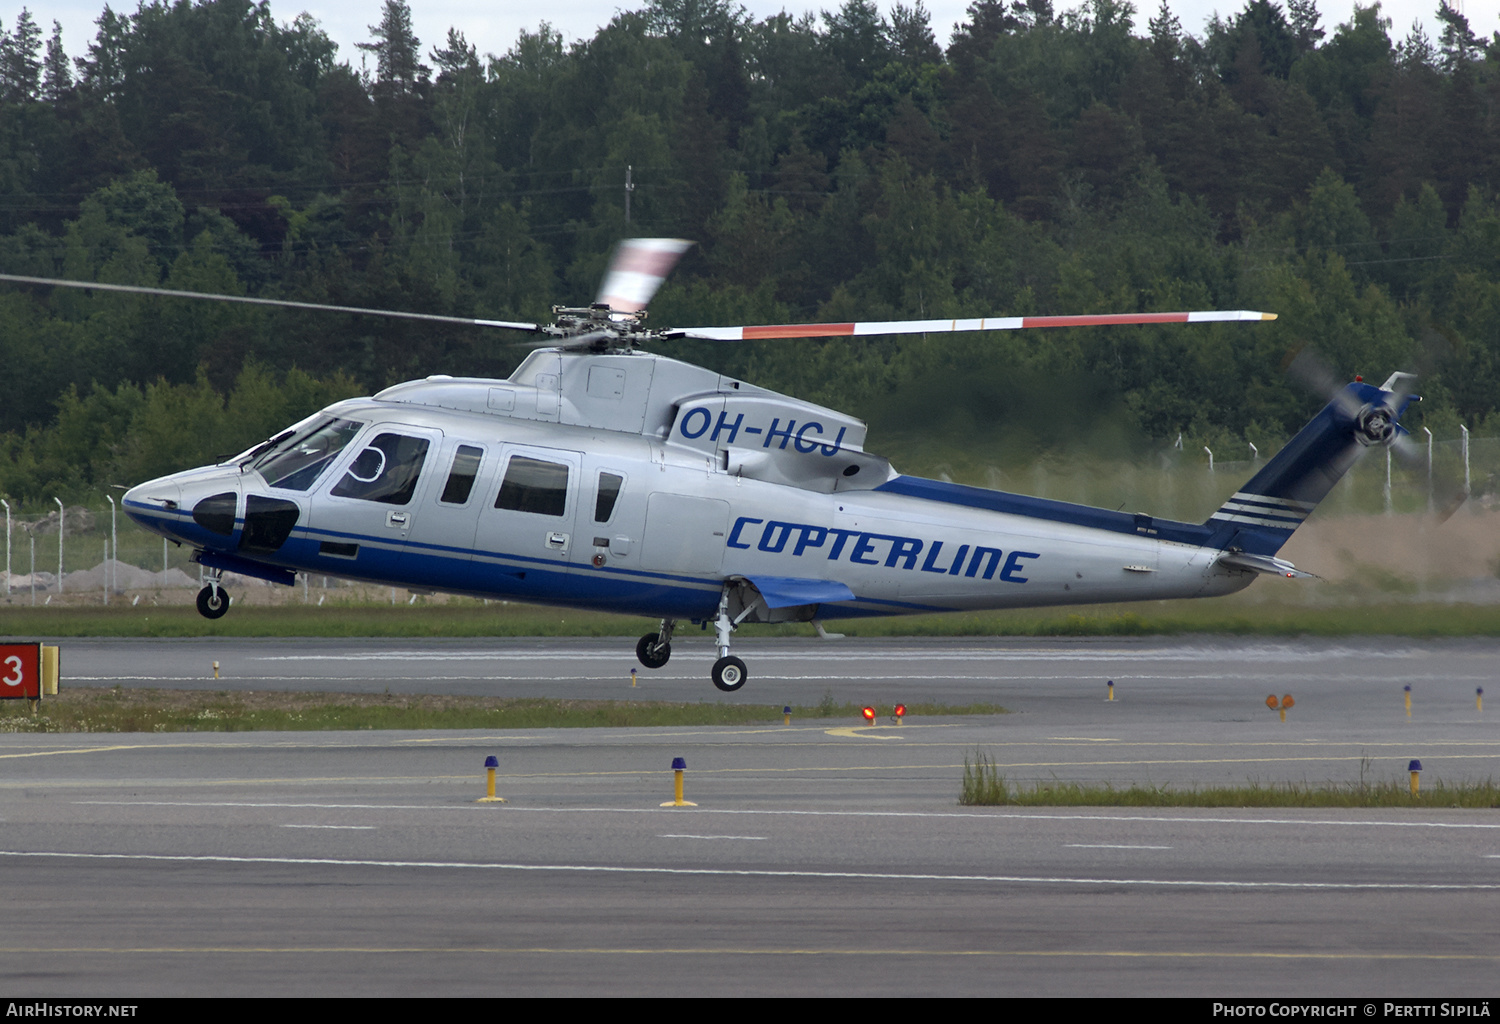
<point x="154" y="505"/>
<point x="197" y="506"/>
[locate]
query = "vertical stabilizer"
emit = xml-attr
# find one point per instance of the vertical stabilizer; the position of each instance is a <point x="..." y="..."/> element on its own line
<point x="1260" y="517"/>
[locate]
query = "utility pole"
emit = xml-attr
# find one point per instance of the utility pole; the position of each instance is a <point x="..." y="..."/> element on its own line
<point x="114" y="542"/>
<point x="7" y="545"/>
<point x="1466" y="458"/>
<point x="629" y="188"/>
<point x="61" y="516"/>
<point x="1388" y="508"/>
<point x="1429" y="468"/>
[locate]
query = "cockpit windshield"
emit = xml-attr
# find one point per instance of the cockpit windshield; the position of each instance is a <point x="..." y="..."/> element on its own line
<point x="297" y="460"/>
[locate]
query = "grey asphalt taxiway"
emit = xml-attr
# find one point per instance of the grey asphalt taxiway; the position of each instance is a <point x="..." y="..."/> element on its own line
<point x="822" y="858"/>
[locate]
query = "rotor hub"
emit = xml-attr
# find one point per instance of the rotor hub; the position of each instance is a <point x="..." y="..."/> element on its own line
<point x="1375" y="426"/>
<point x="598" y="328"/>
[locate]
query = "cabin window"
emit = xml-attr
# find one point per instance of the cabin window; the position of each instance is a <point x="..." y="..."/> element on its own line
<point x="533" y="485"/>
<point x="461" y="476"/>
<point x="609" y="493"/>
<point x="386" y="471"/>
<point x="296" y="462"/>
<point x="215" y="513"/>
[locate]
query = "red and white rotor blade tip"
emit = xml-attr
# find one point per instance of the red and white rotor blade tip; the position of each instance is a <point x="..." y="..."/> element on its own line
<point x="997" y="323"/>
<point x="636" y="271"/>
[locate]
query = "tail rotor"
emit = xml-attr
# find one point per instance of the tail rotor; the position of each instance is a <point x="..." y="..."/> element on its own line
<point x="1377" y="421"/>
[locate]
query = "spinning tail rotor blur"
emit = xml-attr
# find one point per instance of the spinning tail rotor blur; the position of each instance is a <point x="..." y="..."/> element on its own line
<point x="1377" y="423"/>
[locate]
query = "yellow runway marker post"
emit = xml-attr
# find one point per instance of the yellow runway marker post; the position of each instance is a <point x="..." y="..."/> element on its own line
<point x="490" y="764"/>
<point x="1415" y="768"/>
<point x="679" y="765"/>
<point x="51" y="670"/>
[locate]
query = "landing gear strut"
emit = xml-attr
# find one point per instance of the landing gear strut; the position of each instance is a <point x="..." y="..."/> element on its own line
<point x="213" y="601"/>
<point x="654" y="649"/>
<point x="728" y="672"/>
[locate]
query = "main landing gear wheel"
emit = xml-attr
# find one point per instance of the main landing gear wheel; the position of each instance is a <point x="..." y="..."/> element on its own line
<point x="651" y="651"/>
<point x="729" y="673"/>
<point x="213" y="602"/>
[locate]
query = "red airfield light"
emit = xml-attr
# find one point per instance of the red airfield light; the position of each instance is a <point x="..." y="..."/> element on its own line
<point x="1281" y="707"/>
<point x="869" y="714"/>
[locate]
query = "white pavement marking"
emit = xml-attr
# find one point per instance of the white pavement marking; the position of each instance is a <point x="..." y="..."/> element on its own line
<point x="889" y="876"/>
<point x="684" y="835"/>
<point x="1111" y="846"/>
<point x="330" y="826"/>
<point x="515" y="809"/>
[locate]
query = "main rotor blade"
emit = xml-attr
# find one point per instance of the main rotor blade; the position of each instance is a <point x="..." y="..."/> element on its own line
<point x="281" y="303"/>
<point x="1007" y="323"/>
<point x="636" y="271"/>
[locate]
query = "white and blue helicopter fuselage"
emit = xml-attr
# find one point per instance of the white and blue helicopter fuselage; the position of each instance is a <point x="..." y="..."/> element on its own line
<point x="630" y="482"/>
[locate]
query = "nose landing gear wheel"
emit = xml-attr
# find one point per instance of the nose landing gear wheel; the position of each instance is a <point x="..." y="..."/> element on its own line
<point x="212" y="603"/>
<point x="729" y="673"/>
<point x="651" y="651"/>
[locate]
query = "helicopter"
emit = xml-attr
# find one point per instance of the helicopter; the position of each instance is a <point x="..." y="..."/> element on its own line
<point x="603" y="476"/>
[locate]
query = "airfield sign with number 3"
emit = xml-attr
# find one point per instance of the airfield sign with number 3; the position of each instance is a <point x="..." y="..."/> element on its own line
<point x="20" y="671"/>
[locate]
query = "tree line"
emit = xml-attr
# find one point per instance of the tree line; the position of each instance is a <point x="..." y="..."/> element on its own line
<point x="838" y="166"/>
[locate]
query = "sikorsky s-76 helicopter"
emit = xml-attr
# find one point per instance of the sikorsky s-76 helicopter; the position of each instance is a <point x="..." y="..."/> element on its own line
<point x="602" y="476"/>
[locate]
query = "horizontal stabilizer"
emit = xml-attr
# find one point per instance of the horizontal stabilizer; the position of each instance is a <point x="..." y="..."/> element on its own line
<point x="1267" y="564"/>
<point x="789" y="591"/>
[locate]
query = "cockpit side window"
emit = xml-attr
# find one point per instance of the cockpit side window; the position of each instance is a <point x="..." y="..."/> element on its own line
<point x="296" y="462"/>
<point x="609" y="493"/>
<point x="461" y="476"/>
<point x="386" y="471"/>
<point x="533" y="485"/>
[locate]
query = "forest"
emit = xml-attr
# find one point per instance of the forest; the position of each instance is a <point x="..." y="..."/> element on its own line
<point x="833" y="166"/>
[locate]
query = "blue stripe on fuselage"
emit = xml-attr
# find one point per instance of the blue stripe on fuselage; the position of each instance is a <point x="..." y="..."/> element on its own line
<point x="1045" y="508"/>
<point x="383" y="560"/>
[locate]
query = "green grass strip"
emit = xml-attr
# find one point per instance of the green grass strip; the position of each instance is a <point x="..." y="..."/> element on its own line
<point x="984" y="786"/>
<point x="465" y="618"/>
<point x="119" y="709"/>
<point x="451" y="619"/>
